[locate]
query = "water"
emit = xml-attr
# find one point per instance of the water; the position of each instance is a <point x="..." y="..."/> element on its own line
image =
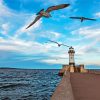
<point x="16" y="84"/>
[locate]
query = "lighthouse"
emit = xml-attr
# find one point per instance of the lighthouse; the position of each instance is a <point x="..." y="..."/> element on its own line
<point x="71" y="56"/>
<point x="71" y="67"/>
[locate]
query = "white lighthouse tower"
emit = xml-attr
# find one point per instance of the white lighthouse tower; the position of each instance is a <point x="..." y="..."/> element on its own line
<point x="71" y="67"/>
<point x="71" y="56"/>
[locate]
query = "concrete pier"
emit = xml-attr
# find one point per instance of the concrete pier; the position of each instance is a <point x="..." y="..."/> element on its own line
<point x="78" y="86"/>
<point x="64" y="89"/>
<point x="85" y="86"/>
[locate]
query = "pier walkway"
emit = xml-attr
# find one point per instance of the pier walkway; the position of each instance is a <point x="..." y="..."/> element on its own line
<point x="64" y="89"/>
<point x="78" y="86"/>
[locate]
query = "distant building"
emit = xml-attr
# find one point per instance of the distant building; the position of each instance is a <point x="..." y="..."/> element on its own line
<point x="72" y="67"/>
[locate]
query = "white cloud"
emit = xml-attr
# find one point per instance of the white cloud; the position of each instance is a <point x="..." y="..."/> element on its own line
<point x="87" y="49"/>
<point x="88" y="32"/>
<point x="55" y="61"/>
<point x="63" y="16"/>
<point x="30" y="30"/>
<point x="1" y="39"/>
<point x="5" y="28"/>
<point x="97" y="14"/>
<point x="50" y="35"/>
<point x="16" y="23"/>
<point x="22" y="46"/>
<point x="28" y="47"/>
<point x="14" y="44"/>
<point x="4" y="11"/>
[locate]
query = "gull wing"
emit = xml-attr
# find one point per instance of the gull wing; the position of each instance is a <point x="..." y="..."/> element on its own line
<point x="54" y="42"/>
<point x="57" y="7"/>
<point x="90" y="19"/>
<point x="65" y="45"/>
<point x="36" y="19"/>
<point x="75" y="17"/>
<point x="40" y="11"/>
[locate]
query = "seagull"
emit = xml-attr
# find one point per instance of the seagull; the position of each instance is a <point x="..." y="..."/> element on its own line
<point x="59" y="43"/>
<point x="46" y="13"/>
<point x="83" y="18"/>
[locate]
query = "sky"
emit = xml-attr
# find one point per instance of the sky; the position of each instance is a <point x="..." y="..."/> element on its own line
<point x="21" y="48"/>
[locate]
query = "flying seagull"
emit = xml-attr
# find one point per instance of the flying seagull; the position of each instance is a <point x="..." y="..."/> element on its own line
<point x="83" y="18"/>
<point x="46" y="13"/>
<point x="59" y="43"/>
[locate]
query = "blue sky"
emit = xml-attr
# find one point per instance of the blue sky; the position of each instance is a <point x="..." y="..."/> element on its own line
<point x="23" y="48"/>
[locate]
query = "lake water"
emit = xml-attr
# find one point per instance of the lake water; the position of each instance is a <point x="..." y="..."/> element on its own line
<point x="20" y="84"/>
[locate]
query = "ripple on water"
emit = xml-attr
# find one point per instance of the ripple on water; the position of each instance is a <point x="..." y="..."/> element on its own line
<point x="28" y="84"/>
